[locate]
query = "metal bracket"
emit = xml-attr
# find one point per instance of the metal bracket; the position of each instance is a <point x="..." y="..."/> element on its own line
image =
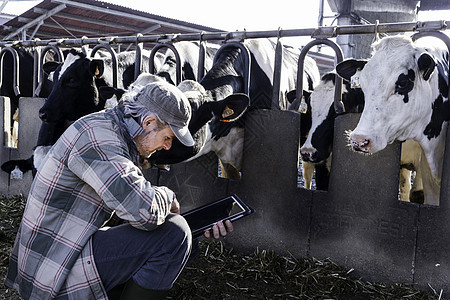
<point x="324" y="33"/>
<point x="430" y="25"/>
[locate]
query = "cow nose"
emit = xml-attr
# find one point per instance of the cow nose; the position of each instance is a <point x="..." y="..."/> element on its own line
<point x="360" y="143"/>
<point x="308" y="154"/>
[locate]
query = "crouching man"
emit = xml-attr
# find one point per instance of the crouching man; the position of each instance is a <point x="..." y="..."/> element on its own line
<point x="92" y="171"/>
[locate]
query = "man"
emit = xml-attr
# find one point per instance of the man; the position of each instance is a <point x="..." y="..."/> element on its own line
<point x="61" y="250"/>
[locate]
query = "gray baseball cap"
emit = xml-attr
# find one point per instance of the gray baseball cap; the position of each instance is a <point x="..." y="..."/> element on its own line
<point x="171" y="106"/>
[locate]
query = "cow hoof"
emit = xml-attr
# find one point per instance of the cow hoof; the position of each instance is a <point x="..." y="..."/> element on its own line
<point x="417" y="197"/>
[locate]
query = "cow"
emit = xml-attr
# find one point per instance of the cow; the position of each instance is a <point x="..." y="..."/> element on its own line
<point x="25" y="71"/>
<point x="225" y="80"/>
<point x="406" y="97"/>
<point x="73" y="95"/>
<point x="76" y="93"/>
<point x="317" y="148"/>
<point x="189" y="61"/>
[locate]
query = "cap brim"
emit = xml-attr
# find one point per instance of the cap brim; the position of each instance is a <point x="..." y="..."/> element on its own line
<point x="183" y="135"/>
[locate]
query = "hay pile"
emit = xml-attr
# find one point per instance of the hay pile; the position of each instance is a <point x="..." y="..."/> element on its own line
<point x="220" y="273"/>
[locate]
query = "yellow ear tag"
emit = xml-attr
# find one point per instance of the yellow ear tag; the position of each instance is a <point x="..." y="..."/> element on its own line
<point x="227" y="112"/>
<point x="96" y="71"/>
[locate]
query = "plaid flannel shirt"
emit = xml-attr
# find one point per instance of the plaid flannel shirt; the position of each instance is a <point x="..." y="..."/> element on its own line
<point x="91" y="171"/>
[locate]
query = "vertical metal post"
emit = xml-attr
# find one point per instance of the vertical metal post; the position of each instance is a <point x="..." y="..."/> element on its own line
<point x="177" y="59"/>
<point x="138" y="62"/>
<point x="338" y="105"/>
<point x="277" y="75"/>
<point x="15" y="58"/>
<point x="113" y="59"/>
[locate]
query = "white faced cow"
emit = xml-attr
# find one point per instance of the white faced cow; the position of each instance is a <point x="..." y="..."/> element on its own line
<point x="318" y="146"/>
<point x="406" y="97"/>
<point x="225" y="80"/>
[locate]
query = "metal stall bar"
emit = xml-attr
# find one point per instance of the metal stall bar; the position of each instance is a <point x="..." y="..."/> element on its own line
<point x="39" y="70"/>
<point x="201" y="58"/>
<point x="277" y="74"/>
<point x="113" y="59"/>
<point x="15" y="56"/>
<point x="338" y="105"/>
<point x="326" y="31"/>
<point x="247" y="63"/>
<point x="138" y="62"/>
<point x="177" y="59"/>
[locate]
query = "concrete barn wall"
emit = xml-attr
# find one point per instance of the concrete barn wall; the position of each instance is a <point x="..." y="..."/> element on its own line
<point x="359" y="223"/>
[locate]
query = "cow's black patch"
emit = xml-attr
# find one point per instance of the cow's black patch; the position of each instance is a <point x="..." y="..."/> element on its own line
<point x="438" y="117"/>
<point x="405" y="84"/>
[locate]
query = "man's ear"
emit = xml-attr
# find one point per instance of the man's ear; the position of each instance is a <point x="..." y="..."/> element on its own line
<point x="148" y="121"/>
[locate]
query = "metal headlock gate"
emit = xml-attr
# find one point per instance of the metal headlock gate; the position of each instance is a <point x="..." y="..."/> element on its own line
<point x="358" y="223"/>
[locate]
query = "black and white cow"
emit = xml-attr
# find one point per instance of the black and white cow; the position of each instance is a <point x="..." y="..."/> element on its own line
<point x="225" y="80"/>
<point x="406" y="97"/>
<point x="189" y="60"/>
<point x="74" y="94"/>
<point x="317" y="148"/>
<point x="7" y="89"/>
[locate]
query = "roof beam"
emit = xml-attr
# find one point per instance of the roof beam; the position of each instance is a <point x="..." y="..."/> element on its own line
<point x="36" y="21"/>
<point x="89" y="20"/>
<point x="122" y="14"/>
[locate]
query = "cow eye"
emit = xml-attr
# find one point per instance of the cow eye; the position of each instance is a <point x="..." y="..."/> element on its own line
<point x="403" y="85"/>
<point x="71" y="82"/>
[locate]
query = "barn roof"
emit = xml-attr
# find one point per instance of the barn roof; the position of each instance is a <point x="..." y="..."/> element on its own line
<point x="55" y="19"/>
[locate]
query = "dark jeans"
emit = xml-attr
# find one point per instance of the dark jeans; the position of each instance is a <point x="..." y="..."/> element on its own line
<point x="154" y="259"/>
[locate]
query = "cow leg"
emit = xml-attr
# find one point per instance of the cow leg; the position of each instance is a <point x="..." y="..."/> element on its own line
<point x="404" y="184"/>
<point x="307" y="172"/>
<point x="229" y="171"/>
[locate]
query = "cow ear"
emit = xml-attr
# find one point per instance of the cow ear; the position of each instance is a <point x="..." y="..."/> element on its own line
<point x="231" y="108"/>
<point x="347" y="68"/>
<point x="106" y="92"/>
<point x="426" y="65"/>
<point x="96" y="67"/>
<point x="50" y="66"/>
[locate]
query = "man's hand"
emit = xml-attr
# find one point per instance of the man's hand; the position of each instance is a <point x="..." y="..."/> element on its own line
<point x="219" y="229"/>
<point x="175" y="207"/>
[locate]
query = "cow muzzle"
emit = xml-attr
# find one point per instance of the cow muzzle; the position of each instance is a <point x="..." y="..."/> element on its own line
<point x="309" y="155"/>
<point x="360" y="143"/>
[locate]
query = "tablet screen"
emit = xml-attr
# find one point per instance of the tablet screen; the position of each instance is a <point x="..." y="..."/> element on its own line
<point x="204" y="217"/>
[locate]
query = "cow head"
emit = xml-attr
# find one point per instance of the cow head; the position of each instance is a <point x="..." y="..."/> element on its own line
<point x="210" y="121"/>
<point x="400" y="85"/>
<point x="319" y="144"/>
<point x="74" y="93"/>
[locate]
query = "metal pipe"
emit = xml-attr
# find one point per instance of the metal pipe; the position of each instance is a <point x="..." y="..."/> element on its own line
<point x="277" y="76"/>
<point x="15" y="58"/>
<point x="338" y="105"/>
<point x="59" y="57"/>
<point x="326" y="31"/>
<point x="177" y="59"/>
<point x="113" y="59"/>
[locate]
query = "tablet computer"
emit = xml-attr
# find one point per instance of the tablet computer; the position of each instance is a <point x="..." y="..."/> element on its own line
<point x="204" y="217"/>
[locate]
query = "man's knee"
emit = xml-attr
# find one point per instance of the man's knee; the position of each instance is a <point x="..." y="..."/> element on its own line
<point x="180" y="233"/>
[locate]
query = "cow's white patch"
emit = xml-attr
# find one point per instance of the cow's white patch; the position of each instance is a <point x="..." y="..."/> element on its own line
<point x="39" y="154"/>
<point x="321" y="100"/>
<point x="70" y="60"/>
